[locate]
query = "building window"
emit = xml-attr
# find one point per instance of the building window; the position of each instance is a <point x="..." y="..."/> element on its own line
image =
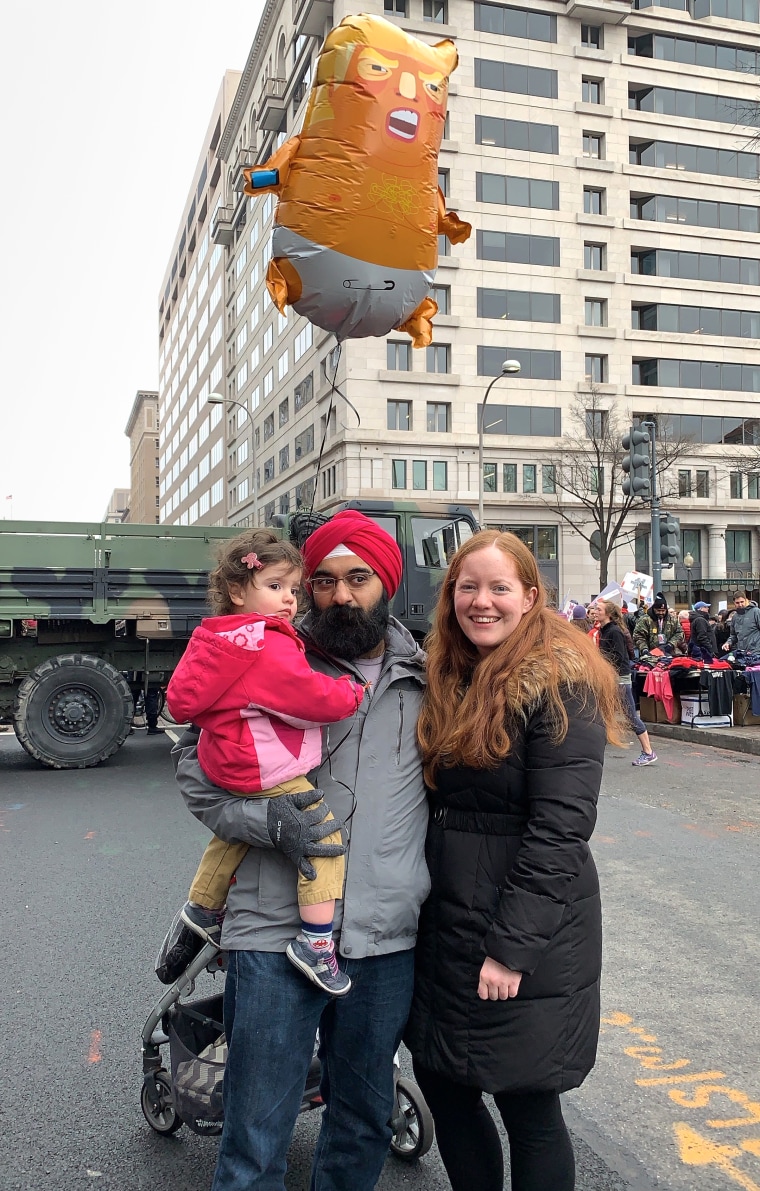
<point x="684" y="483"/>
<point x="691" y="544"/>
<point x="535" y="363"/>
<point x="703" y="484"/>
<point x="284" y="412"/>
<point x="592" y="91"/>
<point x="596" y="369"/>
<point x="399" y="415"/>
<point x="516" y="134"/>
<point x="597" y="479"/>
<point x="304" y="442"/>
<point x="441" y="294"/>
<point x="398" y="473"/>
<point x="697" y="159"/>
<point x="753" y="486"/>
<point x="663" y="208"/>
<point x="438" y="357"/>
<point x="517" y="248"/>
<point x="517" y="192"/>
<point x="269" y="470"/>
<point x="419" y="475"/>
<point x="489" y="477"/>
<point x="699" y="374"/>
<point x="516" y="79"/>
<point x="738" y="549"/>
<point x="329" y="483"/>
<point x="594" y="200"/>
<point x="268" y="427"/>
<point x="398" y="355"/>
<point x="510" y="21"/>
<point x="438" y="417"/>
<point x="509" y="477"/>
<point x="303" y="392"/>
<point x="592" y="36"/>
<point x="435" y="11"/>
<point x="736" y="484"/>
<point x="529" y="477"/>
<point x="440" y="475"/>
<point x="597" y="423"/>
<point x="548" y="479"/>
<point x="395" y="8"/>
<point x="593" y="145"/>
<point x="284" y="458"/>
<point x="595" y="311"/>
<point x="519" y="305"/>
<point x="595" y="256"/>
<point x="443" y="182"/>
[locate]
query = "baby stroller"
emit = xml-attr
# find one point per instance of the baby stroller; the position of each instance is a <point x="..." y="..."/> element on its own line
<point x="189" y="1091"/>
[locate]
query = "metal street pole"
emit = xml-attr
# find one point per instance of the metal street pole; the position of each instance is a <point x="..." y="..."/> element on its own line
<point x="688" y="562"/>
<point x="508" y="368"/>
<point x="218" y="399"/>
<point x="655" y="525"/>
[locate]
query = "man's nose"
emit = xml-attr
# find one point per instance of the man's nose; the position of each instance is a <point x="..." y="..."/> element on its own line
<point x="342" y="593"/>
<point x="407" y="85"/>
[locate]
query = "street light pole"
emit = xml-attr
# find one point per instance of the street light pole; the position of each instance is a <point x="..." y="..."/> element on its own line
<point x="218" y="399"/>
<point x="508" y="368"/>
<point x="688" y="562"/>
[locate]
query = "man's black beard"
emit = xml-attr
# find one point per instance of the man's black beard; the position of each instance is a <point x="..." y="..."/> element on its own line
<point x="349" y="632"/>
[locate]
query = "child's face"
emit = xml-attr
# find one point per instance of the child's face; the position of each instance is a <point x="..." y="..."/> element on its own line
<point x="273" y="592"/>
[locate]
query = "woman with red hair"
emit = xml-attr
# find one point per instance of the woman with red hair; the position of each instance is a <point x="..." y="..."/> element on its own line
<point x="518" y="709"/>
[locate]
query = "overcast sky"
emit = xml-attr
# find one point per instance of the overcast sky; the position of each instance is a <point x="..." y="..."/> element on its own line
<point x="104" y="107"/>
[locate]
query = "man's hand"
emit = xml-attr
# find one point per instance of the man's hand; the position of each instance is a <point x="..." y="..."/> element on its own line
<point x="296" y="827"/>
<point x="726" y="646"/>
<point x="496" y="982"/>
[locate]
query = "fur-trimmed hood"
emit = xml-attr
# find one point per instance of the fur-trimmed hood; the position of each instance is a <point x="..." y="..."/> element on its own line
<point x="527" y="684"/>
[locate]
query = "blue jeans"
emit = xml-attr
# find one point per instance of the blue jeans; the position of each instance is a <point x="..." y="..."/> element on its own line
<point x="271" y="1015"/>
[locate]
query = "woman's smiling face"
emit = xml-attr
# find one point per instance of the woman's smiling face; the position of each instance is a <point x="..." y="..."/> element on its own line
<point x="489" y="599"/>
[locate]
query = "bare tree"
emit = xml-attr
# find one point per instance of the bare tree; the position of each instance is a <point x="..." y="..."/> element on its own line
<point x="589" y="471"/>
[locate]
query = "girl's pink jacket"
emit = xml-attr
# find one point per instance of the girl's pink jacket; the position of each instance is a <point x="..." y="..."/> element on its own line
<point x="245" y="681"/>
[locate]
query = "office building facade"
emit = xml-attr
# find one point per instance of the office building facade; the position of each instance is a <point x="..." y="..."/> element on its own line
<point x="614" y="254"/>
<point x="144" y="459"/>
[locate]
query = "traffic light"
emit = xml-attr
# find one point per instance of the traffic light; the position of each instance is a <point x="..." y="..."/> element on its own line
<point x="637" y="464"/>
<point x="670" y="539"/>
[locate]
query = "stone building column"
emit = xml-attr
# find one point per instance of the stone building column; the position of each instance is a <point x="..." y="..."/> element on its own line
<point x="716" y="551"/>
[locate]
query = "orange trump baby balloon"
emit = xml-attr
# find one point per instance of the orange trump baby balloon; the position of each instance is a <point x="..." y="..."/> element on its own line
<point x="355" y="239"/>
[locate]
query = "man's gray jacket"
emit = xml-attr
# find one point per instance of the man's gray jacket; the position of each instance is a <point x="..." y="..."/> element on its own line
<point x="745" y="629"/>
<point x="373" y="754"/>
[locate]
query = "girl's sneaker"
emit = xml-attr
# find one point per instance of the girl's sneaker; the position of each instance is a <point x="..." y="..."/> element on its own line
<point x="646" y="759"/>
<point x="320" y="965"/>
<point x="193" y="926"/>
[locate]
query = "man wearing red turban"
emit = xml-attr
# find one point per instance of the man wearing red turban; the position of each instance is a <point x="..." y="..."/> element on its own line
<point x="371" y="781"/>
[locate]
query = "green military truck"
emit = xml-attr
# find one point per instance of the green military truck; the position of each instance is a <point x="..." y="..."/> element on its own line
<point x="91" y="614"/>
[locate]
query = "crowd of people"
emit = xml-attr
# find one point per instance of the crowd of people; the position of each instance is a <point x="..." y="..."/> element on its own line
<point x="458" y="788"/>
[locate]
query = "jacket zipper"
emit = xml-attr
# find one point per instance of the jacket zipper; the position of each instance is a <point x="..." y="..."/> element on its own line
<point x="400" y="726"/>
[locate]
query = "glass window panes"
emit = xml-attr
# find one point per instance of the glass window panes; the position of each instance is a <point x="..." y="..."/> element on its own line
<point x="594" y="256"/>
<point x="419" y="475"/>
<point x="529" y="477"/>
<point x="702" y="484"/>
<point x="435" y="11"/>
<point x="398" y="473"/>
<point x="591" y="90"/>
<point x="738" y="548"/>
<point x="595" y="312"/>
<point x="593" y="144"/>
<point x="735" y="485"/>
<point x="596" y="369"/>
<point x="441" y="295"/>
<point x="438" y="357"/>
<point x="691" y="543"/>
<point x="399" y="355"/>
<point x="592" y="36"/>
<point x="509" y="477"/>
<point x="684" y="482"/>
<point x="489" y="477"/>
<point x="509" y="21"/>
<point x="440" y="475"/>
<point x="548" y="479"/>
<point x="594" y="200"/>
<point x="438" y="416"/>
<point x="399" y="415"/>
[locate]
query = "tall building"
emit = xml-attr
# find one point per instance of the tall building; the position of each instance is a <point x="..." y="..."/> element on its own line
<point x="142" y="431"/>
<point x="191" y="345"/>
<point x="614" y="255"/>
<point x="118" y="507"/>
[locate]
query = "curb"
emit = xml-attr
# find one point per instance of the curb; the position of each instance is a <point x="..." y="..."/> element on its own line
<point x="719" y="738"/>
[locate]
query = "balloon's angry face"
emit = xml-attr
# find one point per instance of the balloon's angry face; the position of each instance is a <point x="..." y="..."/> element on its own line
<point x="409" y="100"/>
<point x="381" y="91"/>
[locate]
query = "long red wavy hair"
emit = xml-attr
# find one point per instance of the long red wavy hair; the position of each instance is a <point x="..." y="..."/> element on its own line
<point x="468" y="715"/>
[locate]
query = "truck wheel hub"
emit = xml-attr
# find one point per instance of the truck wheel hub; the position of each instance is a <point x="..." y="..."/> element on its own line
<point x="73" y="712"/>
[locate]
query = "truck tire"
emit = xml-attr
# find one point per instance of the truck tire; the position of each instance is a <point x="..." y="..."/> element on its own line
<point x="73" y="711"/>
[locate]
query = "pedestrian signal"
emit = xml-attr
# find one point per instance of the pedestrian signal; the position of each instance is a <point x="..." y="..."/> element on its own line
<point x="637" y="464"/>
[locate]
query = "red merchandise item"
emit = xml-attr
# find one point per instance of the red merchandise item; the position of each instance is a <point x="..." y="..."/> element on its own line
<point x="367" y="540"/>
<point x="245" y="681"/>
<point x="658" y="686"/>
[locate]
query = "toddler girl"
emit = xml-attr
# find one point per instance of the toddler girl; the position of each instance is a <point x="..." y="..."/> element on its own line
<point x="244" y="680"/>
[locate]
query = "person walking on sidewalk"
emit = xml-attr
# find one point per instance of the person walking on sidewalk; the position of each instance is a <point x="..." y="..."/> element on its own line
<point x="614" y="647"/>
<point x="745" y="626"/>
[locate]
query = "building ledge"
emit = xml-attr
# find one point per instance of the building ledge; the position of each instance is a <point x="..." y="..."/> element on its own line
<point x="595" y="12"/>
<point x="686" y="339"/>
<point x="597" y="332"/>
<point x="595" y="163"/>
<point x="594" y="220"/>
<point x="448" y="262"/>
<point x="593" y="109"/>
<point x="664" y="227"/>
<point x="660" y="173"/>
<point x="598" y="275"/>
<point x="419" y="378"/>
<point x="449" y="147"/>
<point x="602" y="390"/>
<point x="583" y="51"/>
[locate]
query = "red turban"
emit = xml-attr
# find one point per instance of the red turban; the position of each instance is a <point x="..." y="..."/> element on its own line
<point x="364" y="538"/>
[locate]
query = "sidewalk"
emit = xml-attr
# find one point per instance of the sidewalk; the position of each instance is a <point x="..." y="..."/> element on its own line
<point x="740" y="740"/>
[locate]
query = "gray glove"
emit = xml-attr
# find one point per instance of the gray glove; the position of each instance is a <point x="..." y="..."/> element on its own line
<point x="297" y="831"/>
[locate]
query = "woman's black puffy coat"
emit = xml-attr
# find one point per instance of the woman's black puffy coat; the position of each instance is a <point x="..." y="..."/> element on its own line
<point x="513" y="878"/>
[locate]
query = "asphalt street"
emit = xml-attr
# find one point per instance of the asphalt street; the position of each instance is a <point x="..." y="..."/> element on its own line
<point x="95" y="862"/>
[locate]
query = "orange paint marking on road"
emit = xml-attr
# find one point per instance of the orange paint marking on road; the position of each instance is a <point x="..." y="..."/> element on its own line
<point x="670" y="1079"/>
<point x="90" y="835"/>
<point x="696" y="1150"/>
<point x="643" y="834"/>
<point x="605" y="839"/>
<point x="752" y="1146"/>
<point x="94" y="1055"/>
<point x="703" y="831"/>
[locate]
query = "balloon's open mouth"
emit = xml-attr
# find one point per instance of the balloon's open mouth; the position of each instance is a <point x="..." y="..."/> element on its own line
<point x="403" y="124"/>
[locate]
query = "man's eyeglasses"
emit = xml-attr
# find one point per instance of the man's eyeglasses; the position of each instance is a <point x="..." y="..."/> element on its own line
<point x="355" y="581"/>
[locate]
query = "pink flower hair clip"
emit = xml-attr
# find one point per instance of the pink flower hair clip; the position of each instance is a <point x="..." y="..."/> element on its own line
<point x="252" y="561"/>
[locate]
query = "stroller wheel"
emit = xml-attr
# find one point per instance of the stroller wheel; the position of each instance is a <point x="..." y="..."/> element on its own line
<point x="413" y="1128"/>
<point x="161" y="1116"/>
